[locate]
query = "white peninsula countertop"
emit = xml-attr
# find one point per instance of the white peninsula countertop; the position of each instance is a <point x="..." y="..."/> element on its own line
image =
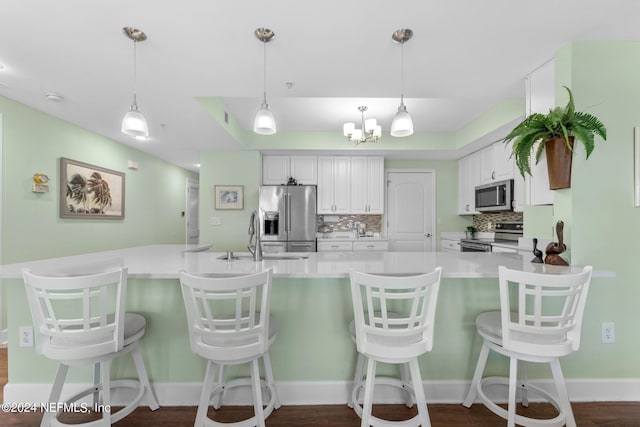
<point x="165" y="261"/>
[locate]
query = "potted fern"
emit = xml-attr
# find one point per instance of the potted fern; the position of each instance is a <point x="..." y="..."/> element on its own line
<point x="554" y="132"/>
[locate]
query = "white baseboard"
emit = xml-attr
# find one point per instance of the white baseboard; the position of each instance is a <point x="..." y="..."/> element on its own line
<point x="336" y="392"/>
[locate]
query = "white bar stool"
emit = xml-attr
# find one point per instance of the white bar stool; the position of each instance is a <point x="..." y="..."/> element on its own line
<point x="230" y="324"/>
<point x="539" y="321"/>
<point x="81" y="320"/>
<point x="394" y="323"/>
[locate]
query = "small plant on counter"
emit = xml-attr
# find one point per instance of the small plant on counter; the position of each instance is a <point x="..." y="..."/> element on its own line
<point x="471" y="230"/>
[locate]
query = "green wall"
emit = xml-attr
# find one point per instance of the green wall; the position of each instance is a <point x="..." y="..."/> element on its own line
<point x="228" y="168"/>
<point x="155" y="194"/>
<point x="604" y="226"/>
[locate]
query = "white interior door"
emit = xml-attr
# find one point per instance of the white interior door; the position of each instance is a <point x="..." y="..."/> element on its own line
<point x="193" y="200"/>
<point x="411" y="210"/>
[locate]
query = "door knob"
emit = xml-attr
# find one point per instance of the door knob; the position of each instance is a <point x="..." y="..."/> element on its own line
<point x="427" y="235"/>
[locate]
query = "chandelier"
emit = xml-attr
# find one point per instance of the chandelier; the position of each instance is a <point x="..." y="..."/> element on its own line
<point x="369" y="132"/>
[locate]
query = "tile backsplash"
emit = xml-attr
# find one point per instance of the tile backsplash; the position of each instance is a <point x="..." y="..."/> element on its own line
<point x="487" y="221"/>
<point x="335" y="223"/>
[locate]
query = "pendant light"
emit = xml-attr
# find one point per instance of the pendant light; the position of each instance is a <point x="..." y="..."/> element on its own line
<point x="402" y="125"/>
<point x="133" y="123"/>
<point x="264" y="123"/>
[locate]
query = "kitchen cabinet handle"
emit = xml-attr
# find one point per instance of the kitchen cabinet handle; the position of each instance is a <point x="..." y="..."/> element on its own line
<point x="493" y="175"/>
<point x="300" y="245"/>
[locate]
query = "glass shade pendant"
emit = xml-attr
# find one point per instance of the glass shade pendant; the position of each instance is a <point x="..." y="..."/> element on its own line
<point x="402" y="124"/>
<point x="133" y="123"/>
<point x="264" y="122"/>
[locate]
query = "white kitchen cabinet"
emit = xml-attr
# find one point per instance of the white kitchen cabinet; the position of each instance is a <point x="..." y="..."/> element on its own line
<point x="449" y="245"/>
<point x="324" y="246"/>
<point x="518" y="191"/>
<point x="367" y="185"/>
<point x="334" y="184"/>
<point x="540" y="98"/>
<point x="276" y="170"/>
<point x="468" y="179"/>
<point x="496" y="163"/>
<point x="370" y="246"/>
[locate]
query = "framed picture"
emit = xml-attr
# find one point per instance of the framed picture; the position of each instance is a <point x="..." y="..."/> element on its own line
<point x="229" y="196"/>
<point x="88" y="191"/>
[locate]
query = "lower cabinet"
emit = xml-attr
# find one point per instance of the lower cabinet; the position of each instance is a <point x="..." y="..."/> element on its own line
<point x="370" y="246"/>
<point x="352" y="246"/>
<point x="447" y="245"/>
<point x="334" y="246"/>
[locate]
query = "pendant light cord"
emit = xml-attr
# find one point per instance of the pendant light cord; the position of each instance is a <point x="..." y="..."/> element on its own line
<point x="402" y="73"/>
<point x="264" y="73"/>
<point x="135" y="72"/>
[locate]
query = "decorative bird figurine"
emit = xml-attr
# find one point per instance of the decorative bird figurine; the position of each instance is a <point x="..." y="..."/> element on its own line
<point x="536" y="252"/>
<point x="555" y="249"/>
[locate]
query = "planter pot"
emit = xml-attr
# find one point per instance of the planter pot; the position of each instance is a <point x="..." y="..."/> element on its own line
<point x="559" y="158"/>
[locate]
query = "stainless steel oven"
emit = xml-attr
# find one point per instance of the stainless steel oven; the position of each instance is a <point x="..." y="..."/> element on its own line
<point x="475" y="246"/>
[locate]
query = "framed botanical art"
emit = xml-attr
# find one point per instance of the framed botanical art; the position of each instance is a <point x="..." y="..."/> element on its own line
<point x="229" y="196"/>
<point x="88" y="191"/>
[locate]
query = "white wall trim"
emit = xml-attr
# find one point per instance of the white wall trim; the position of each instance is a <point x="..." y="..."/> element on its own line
<point x="336" y="392"/>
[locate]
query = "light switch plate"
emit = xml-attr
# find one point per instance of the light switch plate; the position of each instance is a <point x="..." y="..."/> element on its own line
<point x="215" y="220"/>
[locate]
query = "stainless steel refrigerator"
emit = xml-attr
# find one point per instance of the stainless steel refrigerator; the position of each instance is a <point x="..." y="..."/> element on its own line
<point x="288" y="218"/>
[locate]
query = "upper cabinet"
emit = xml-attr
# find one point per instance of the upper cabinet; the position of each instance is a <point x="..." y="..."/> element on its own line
<point x="276" y="170"/>
<point x="468" y="179"/>
<point x="350" y="185"/>
<point x="496" y="163"/>
<point x="367" y="185"/>
<point x="334" y="185"/>
<point x="540" y="98"/>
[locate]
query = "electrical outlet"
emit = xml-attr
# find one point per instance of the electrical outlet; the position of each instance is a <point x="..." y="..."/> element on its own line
<point x="26" y="336"/>
<point x="215" y="220"/>
<point x="608" y="332"/>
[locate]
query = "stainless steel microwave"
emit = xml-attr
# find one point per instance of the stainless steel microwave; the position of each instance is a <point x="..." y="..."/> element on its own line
<point x="496" y="196"/>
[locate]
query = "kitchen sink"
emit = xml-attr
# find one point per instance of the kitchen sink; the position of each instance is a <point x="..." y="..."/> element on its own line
<point x="267" y="257"/>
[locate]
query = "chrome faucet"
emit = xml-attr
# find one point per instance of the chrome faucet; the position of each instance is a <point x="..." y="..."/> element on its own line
<point x="254" y="231"/>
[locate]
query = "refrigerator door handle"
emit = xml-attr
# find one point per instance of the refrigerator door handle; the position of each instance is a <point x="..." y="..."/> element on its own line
<point x="286" y="213"/>
<point x="289" y="212"/>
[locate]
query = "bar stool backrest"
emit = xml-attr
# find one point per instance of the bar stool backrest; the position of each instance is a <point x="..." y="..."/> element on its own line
<point x="541" y="314"/>
<point x="394" y="315"/>
<point x="228" y="316"/>
<point x="77" y="317"/>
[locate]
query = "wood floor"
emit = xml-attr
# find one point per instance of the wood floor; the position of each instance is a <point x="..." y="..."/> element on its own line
<point x="603" y="414"/>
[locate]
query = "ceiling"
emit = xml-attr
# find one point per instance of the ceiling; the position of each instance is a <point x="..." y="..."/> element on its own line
<point x="465" y="57"/>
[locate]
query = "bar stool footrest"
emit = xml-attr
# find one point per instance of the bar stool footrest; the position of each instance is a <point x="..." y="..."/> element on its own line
<point x="557" y="421"/>
<point x="115" y="417"/>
